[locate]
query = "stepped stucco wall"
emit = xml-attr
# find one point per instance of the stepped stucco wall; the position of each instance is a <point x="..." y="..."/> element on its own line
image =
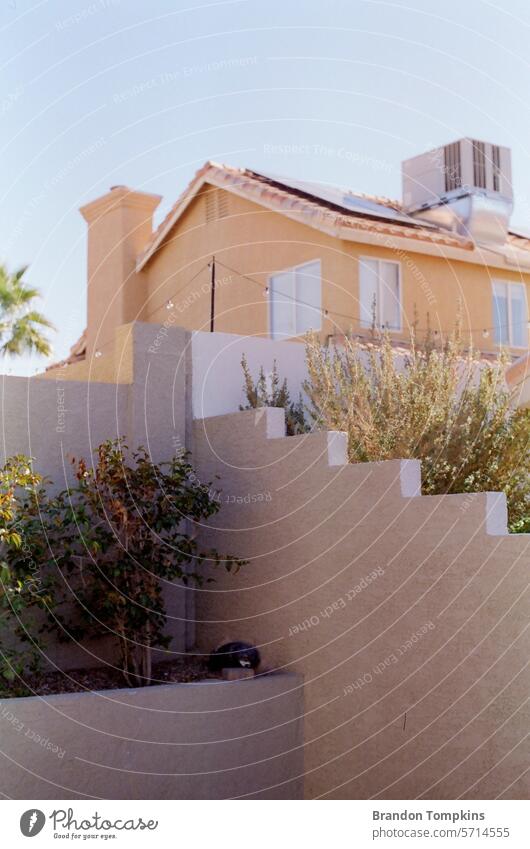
<point x="406" y="614"/>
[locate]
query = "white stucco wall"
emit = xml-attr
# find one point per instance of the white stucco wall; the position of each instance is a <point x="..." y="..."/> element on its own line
<point x="218" y="376"/>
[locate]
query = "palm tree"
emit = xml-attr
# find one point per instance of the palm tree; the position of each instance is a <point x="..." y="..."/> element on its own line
<point x="21" y="325"/>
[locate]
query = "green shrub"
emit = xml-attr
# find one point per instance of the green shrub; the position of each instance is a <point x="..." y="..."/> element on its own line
<point x="21" y="587"/>
<point x="108" y="544"/>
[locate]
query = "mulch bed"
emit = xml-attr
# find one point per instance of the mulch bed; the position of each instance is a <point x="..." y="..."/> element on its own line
<point x="183" y="670"/>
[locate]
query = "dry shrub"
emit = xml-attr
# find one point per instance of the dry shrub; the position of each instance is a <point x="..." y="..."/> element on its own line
<point x="273" y="392"/>
<point x="436" y="404"/>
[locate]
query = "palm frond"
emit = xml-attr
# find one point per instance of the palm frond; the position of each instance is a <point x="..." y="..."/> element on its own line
<point x="20" y="324"/>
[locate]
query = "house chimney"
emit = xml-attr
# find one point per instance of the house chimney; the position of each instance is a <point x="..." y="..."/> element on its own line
<point x="120" y="224"/>
<point x="465" y="187"/>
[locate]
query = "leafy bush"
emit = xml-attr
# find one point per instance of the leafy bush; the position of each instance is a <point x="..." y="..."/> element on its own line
<point x="273" y="393"/>
<point x="439" y="405"/>
<point x="20" y="585"/>
<point x="111" y="541"/>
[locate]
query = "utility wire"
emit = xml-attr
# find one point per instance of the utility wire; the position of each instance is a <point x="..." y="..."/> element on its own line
<point x="178" y="291"/>
<point x="167" y="305"/>
<point x="327" y="310"/>
<point x="265" y="290"/>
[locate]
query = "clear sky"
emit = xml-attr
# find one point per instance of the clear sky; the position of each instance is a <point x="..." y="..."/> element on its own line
<point x="95" y="93"/>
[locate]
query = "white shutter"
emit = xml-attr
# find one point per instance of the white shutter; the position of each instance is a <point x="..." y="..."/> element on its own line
<point x="389" y="312"/>
<point x="368" y="291"/>
<point x="500" y="314"/>
<point x="518" y="316"/>
<point x="308" y="297"/>
<point x="282" y="300"/>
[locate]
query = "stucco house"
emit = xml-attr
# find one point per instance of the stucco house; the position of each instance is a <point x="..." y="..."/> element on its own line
<point x="393" y="625"/>
<point x="250" y="253"/>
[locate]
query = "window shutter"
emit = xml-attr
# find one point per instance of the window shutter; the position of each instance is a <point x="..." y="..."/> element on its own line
<point x="368" y="291"/>
<point x="282" y="297"/>
<point x="518" y="316"/>
<point x="390" y="310"/>
<point x="308" y="297"/>
<point x="500" y="313"/>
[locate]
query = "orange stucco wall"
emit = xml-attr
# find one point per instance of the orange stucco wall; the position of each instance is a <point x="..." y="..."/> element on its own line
<point x="257" y="242"/>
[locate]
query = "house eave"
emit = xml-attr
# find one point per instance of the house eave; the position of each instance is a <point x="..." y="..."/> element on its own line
<point x="359" y="231"/>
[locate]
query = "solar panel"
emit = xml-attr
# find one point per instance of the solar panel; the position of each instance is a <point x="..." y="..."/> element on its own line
<point x="347" y="200"/>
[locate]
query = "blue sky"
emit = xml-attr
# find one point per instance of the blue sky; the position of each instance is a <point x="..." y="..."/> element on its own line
<point x="101" y="92"/>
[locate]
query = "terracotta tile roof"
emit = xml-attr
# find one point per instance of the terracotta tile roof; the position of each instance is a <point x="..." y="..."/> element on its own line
<point x="372" y="214"/>
<point x="284" y="197"/>
<point x="402" y="348"/>
<point x="315" y="210"/>
<point x="518" y="240"/>
<point x="77" y="353"/>
<point x="197" y="179"/>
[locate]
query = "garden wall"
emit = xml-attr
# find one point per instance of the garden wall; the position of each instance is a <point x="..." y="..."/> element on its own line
<point x="406" y="614"/>
<point x="146" y="397"/>
<point x="210" y="363"/>
<point x="55" y="419"/>
<point x="217" y="373"/>
<point x="209" y="740"/>
<point x="217" y="384"/>
<point x="156" y="380"/>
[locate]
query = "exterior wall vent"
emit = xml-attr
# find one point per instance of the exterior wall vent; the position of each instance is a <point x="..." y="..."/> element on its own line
<point x="465" y="187"/>
<point x="479" y="165"/>
<point x="452" y="167"/>
<point x="216" y="205"/>
<point x="222" y="204"/>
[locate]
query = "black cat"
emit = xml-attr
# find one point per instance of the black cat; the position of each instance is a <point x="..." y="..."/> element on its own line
<point x="234" y="655"/>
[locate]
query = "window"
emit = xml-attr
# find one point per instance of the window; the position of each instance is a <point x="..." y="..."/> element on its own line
<point x="379" y="285"/>
<point x="296" y="300"/>
<point x="510" y="317"/>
